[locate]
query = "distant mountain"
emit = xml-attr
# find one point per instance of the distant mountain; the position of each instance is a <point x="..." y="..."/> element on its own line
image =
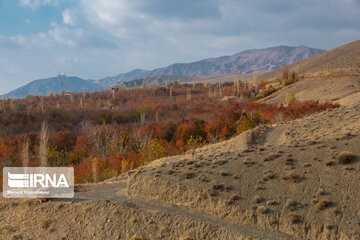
<point x="44" y="86"/>
<point x="160" y="80"/>
<point x="132" y="75"/>
<point x="244" y="62"/>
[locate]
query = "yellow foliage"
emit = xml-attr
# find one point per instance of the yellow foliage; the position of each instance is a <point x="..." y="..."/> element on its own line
<point x="195" y="142"/>
<point x="289" y="98"/>
<point x="151" y="151"/>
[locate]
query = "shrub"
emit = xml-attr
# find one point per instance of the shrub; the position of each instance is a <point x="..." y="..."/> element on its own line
<point x="294" y="218"/>
<point x="346" y="157"/>
<point x="18" y="106"/>
<point x="289" y="99"/>
<point x="268" y="91"/>
<point x="195" y="142"/>
<point x="322" y="205"/>
<point x="289" y="80"/>
<point x="247" y="122"/>
<point x="46" y="223"/>
<point x="151" y="151"/>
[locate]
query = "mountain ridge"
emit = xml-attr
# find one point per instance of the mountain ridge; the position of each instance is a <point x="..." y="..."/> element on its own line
<point x="247" y="61"/>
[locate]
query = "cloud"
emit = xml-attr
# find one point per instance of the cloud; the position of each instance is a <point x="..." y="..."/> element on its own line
<point x="33" y="4"/>
<point x="68" y="17"/>
<point x="96" y="38"/>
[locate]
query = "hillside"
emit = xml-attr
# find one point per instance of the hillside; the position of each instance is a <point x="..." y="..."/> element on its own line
<point x="44" y="86"/>
<point x="344" y="57"/>
<point x="243" y="62"/>
<point x="330" y="76"/>
<point x="123" y="77"/>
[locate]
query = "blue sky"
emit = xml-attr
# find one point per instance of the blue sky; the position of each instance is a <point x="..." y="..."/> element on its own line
<point x="97" y="38"/>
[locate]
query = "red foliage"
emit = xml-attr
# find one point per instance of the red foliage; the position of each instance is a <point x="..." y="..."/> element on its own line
<point x="171" y="121"/>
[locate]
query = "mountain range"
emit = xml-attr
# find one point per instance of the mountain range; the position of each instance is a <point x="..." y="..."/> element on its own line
<point x="248" y="61"/>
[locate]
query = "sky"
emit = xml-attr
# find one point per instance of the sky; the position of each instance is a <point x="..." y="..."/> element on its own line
<point x="93" y="39"/>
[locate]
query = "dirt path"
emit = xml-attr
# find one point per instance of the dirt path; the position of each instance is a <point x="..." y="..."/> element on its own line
<point x="116" y="193"/>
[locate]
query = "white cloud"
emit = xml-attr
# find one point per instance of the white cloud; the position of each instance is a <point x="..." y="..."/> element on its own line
<point x="68" y="17"/>
<point x="33" y="4"/>
<point x="97" y="38"/>
<point x="66" y="36"/>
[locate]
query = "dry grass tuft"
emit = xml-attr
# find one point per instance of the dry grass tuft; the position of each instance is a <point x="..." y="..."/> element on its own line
<point x="263" y="209"/>
<point x="294" y="218"/>
<point x="3" y="206"/>
<point x="234" y="197"/>
<point x="329" y="163"/>
<point x="292" y="177"/>
<point x="188" y="174"/>
<point x="258" y="199"/>
<point x="346" y="157"/>
<point x="136" y="238"/>
<point x="322" y="205"/>
<point x="45" y="224"/>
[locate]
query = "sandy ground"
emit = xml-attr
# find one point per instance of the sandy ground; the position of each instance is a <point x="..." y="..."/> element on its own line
<point x="343" y="89"/>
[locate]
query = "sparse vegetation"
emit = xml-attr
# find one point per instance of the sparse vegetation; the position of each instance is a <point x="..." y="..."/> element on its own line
<point x="289" y="99"/>
<point x="322" y="205"/>
<point x="45" y="224"/>
<point x="294" y="218"/>
<point x="293" y="178"/>
<point x="346" y="157"/>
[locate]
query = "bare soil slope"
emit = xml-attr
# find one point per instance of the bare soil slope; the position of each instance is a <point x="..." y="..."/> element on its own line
<point x="284" y="178"/>
<point x="344" y="57"/>
<point x="343" y="88"/>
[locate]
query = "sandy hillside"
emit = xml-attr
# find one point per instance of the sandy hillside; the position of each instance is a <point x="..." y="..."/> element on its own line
<point x="340" y="87"/>
<point x="346" y="57"/>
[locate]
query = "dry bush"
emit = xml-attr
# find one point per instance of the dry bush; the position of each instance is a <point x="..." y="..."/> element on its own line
<point x="45" y="224"/>
<point x="346" y="157"/>
<point x="289" y="99"/>
<point x="234" y="197"/>
<point x="188" y="174"/>
<point x="294" y="218"/>
<point x="292" y="177"/>
<point x="329" y="163"/>
<point x="263" y="209"/>
<point x="322" y="205"/>
<point x="258" y="199"/>
<point x="3" y="206"/>
<point x="25" y="154"/>
<point x="44" y="139"/>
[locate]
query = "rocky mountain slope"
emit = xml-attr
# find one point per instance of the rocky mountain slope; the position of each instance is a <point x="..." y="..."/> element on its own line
<point x="243" y="62"/>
